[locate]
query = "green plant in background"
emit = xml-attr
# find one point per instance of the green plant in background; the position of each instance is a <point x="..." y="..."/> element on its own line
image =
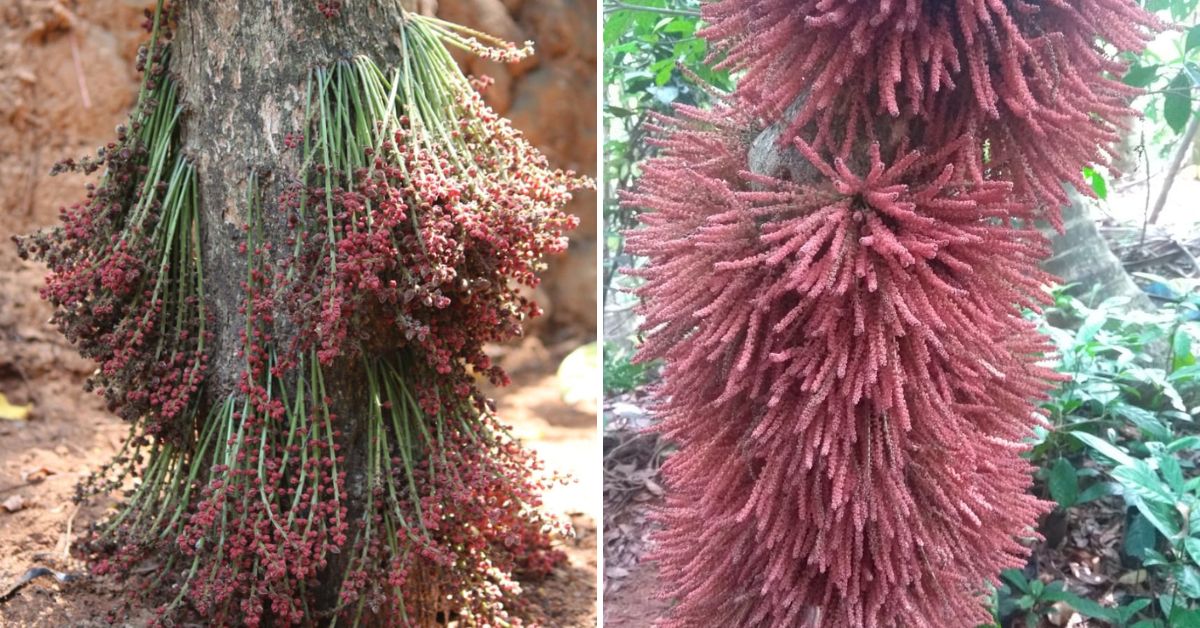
<point x="1123" y="426"/>
<point x="621" y="374"/>
<point x="652" y="61"/>
<point x="1170" y="71"/>
<point x="1126" y="367"/>
<point x="1154" y="484"/>
<point x="1034" y="597"/>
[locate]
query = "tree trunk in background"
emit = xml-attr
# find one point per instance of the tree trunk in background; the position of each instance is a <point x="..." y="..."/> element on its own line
<point x="242" y="66"/>
<point x="1081" y="256"/>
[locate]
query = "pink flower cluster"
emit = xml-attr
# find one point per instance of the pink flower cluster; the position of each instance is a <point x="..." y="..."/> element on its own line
<point x="465" y="512"/>
<point x="331" y="9"/>
<point x="1033" y="81"/>
<point x="403" y="269"/>
<point x="848" y="373"/>
<point x="269" y="518"/>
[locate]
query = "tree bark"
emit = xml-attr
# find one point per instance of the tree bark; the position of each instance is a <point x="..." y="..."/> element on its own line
<point x="241" y="68"/>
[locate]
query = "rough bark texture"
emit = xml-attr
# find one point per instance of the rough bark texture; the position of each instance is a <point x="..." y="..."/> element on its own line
<point x="242" y="67"/>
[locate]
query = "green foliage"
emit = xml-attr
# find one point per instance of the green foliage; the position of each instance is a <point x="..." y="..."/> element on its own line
<point x="1034" y="597"/>
<point x="1129" y="370"/>
<point x="1169" y="68"/>
<point x="1097" y="181"/>
<point x="653" y="60"/>
<point x="621" y="373"/>
<point x="1123" y="426"/>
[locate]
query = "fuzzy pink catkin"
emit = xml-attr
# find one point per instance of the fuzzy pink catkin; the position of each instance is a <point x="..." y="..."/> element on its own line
<point x="849" y="378"/>
<point x="848" y="373"/>
<point x="1035" y="81"/>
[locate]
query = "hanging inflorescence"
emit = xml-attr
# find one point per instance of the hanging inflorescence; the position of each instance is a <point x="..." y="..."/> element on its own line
<point x="848" y="372"/>
<point x="418" y="213"/>
<point x="1035" y="83"/>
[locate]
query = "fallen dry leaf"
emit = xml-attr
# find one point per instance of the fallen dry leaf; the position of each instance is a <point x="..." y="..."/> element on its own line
<point x="616" y="572"/>
<point x="1060" y="614"/>
<point x="1133" y="577"/>
<point x="33" y="476"/>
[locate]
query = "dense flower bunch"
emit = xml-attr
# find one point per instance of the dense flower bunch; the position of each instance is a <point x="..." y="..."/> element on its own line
<point x="1036" y="82"/>
<point x="848" y="372"/>
<point x="410" y="242"/>
<point x="417" y="215"/>
<point x="434" y="221"/>
<point x="269" y="517"/>
<point x="453" y="507"/>
<point x="124" y="270"/>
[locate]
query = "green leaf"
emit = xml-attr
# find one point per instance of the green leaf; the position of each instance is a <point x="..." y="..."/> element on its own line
<point x="1098" y="490"/>
<point x="1185" y="618"/>
<point x="1177" y="103"/>
<point x="1144" y="482"/>
<point x="1140" y="537"/>
<point x="1099" y="185"/>
<point x="1125" y="613"/>
<point x="1163" y="517"/>
<point x="1193" y="72"/>
<point x="1187" y="442"/>
<point x="1181" y="350"/>
<point x="619" y="112"/>
<point x="1063" y="483"/>
<point x="1188" y="578"/>
<point x="682" y="25"/>
<point x="1016" y="579"/>
<point x="1144" y="419"/>
<point x="1092" y="324"/>
<point x="1168" y="465"/>
<point x="1104" y="448"/>
<point x="1192" y="546"/>
<point x="1193" y="38"/>
<point x="616" y="25"/>
<point x="1141" y="75"/>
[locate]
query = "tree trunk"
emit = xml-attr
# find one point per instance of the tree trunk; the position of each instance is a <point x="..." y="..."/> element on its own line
<point x="241" y="67"/>
<point x="1081" y="256"/>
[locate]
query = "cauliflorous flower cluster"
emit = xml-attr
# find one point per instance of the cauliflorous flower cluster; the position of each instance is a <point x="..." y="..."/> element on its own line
<point x="417" y="216"/>
<point x="1032" y="81"/>
<point x="848" y="373"/>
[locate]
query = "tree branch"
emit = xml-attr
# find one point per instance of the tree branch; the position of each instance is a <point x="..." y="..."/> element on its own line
<point x="1181" y="150"/>
<point x="617" y="5"/>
